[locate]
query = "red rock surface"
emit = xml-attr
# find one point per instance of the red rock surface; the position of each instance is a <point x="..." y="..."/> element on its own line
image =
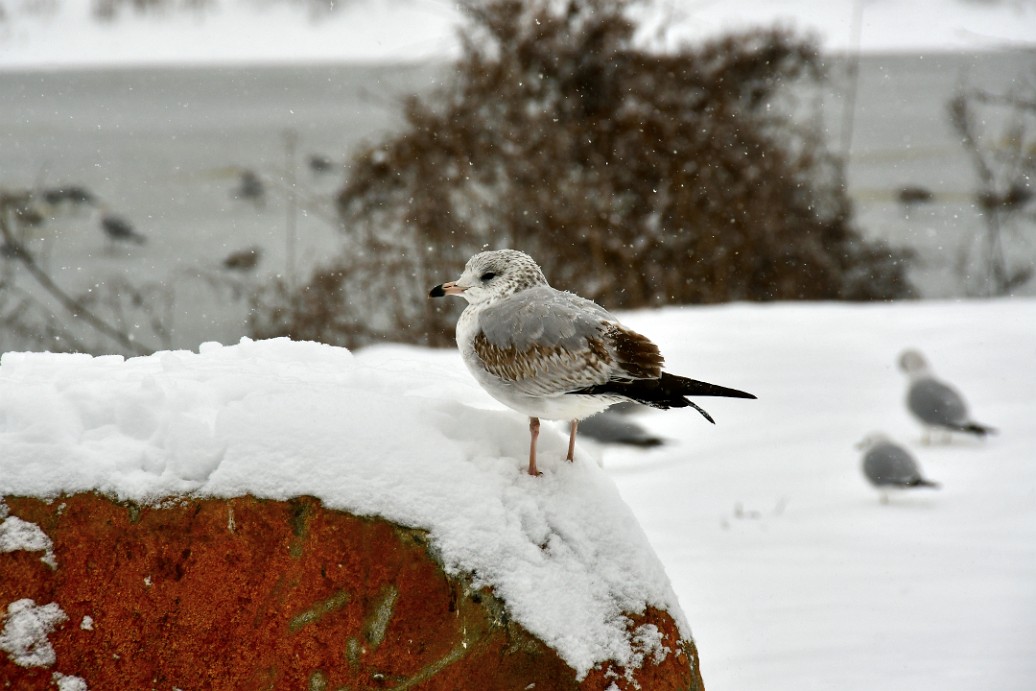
<point x="250" y="594"/>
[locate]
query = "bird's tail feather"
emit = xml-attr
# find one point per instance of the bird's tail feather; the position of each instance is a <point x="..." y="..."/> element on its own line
<point x="693" y="387"/>
<point x="921" y="482"/>
<point x="668" y="391"/>
<point x="975" y="428"/>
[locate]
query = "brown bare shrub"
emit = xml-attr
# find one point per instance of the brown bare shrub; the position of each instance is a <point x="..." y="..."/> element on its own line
<point x="634" y="178"/>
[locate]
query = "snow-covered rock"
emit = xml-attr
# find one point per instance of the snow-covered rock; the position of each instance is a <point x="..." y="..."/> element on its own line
<point x="394" y="439"/>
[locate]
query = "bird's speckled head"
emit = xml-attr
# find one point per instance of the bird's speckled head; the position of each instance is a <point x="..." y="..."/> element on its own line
<point x="913" y="363"/>
<point x="491" y="275"/>
<point x="872" y="440"/>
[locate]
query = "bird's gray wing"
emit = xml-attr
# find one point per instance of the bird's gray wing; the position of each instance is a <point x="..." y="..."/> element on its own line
<point x="545" y="342"/>
<point x="542" y="316"/>
<point x="888" y="464"/>
<point x="936" y="403"/>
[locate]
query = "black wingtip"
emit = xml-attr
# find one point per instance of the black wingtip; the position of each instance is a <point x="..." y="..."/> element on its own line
<point x="437" y="292"/>
<point x="702" y="411"/>
<point x="729" y="393"/>
<point x="977" y="429"/>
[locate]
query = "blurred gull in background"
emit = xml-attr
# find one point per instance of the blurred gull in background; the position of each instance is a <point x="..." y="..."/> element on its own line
<point x="615" y="426"/>
<point x="935" y="404"/>
<point x="117" y="228"/>
<point x="888" y="465"/>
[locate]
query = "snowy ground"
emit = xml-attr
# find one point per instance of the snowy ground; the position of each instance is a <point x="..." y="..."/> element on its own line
<point x="247" y="32"/>
<point x="791" y="572"/>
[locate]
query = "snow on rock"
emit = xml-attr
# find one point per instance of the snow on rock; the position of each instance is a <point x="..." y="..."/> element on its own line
<point x="16" y="534"/>
<point x="394" y="437"/>
<point x="25" y="630"/>
<point x="68" y="682"/>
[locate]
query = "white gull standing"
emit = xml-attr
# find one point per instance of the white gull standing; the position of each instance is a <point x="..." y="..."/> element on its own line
<point x="934" y="403"/>
<point x="552" y="354"/>
<point x="887" y="466"/>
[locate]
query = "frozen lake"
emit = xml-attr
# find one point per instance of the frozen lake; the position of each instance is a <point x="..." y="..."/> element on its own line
<point x="903" y="137"/>
<point x="164" y="148"/>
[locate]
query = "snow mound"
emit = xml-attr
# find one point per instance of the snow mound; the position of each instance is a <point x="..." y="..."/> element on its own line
<point x="389" y="436"/>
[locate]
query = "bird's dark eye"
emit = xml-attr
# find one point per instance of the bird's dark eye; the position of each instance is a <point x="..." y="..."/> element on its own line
<point x="488" y="276"/>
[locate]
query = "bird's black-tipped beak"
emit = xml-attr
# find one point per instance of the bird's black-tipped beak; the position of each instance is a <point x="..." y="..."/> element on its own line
<point x="449" y="288"/>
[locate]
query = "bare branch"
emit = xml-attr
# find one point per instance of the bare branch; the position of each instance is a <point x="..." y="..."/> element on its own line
<point x="74" y="307"/>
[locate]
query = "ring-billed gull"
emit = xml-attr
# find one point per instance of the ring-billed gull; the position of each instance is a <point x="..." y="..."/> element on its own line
<point x="888" y="465"/>
<point x="934" y="403"/>
<point x="552" y="354"/>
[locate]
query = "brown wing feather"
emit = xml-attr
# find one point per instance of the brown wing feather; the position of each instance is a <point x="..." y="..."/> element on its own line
<point x="635" y="355"/>
<point x="546" y="370"/>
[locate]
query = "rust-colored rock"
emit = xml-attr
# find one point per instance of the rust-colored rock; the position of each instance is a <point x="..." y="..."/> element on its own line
<point x="249" y="594"/>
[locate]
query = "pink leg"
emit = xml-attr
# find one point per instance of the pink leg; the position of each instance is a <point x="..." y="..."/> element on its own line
<point x="572" y="442"/>
<point x="534" y="432"/>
